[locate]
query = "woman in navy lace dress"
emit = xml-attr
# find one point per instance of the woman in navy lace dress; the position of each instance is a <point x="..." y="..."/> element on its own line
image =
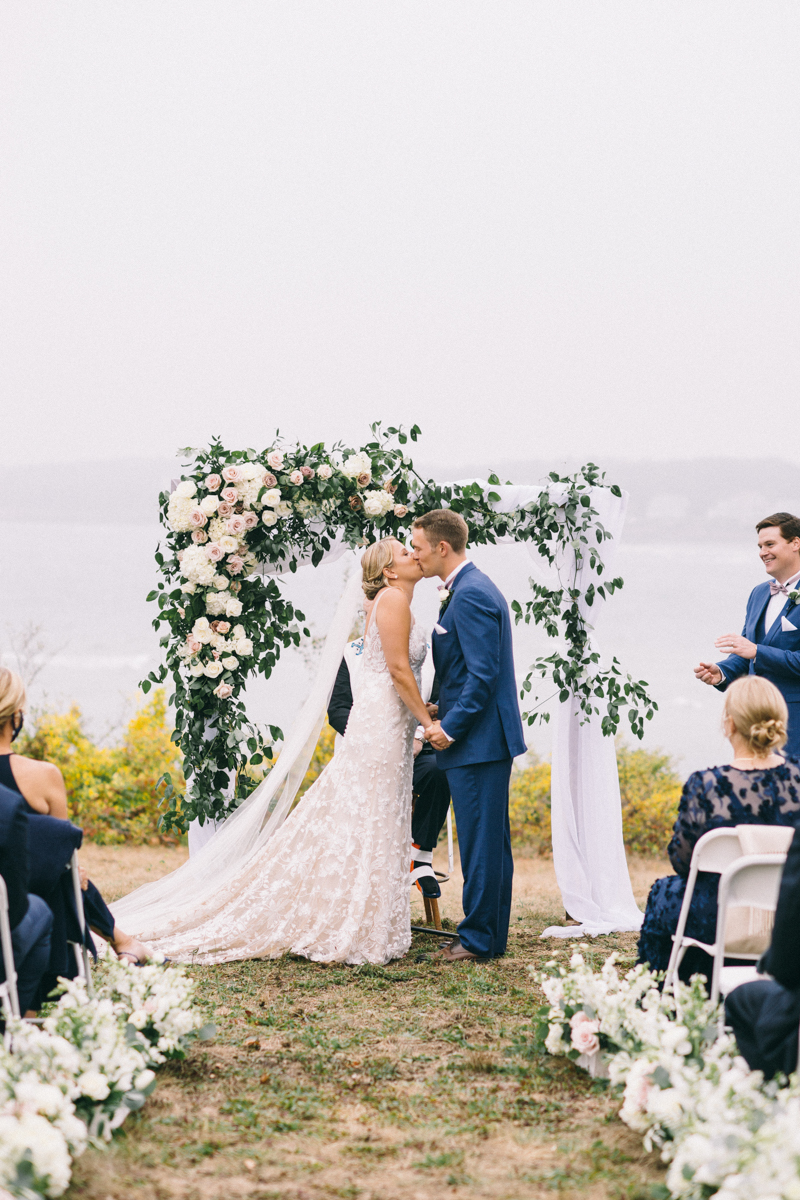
<point x="758" y="787"/>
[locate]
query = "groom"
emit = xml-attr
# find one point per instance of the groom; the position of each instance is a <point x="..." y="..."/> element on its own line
<point x="479" y="730"/>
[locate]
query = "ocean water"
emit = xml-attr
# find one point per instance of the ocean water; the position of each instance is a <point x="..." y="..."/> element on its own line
<point x="83" y="588"/>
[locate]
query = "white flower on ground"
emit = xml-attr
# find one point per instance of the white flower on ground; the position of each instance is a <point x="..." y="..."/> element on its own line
<point x="93" y="1084"/>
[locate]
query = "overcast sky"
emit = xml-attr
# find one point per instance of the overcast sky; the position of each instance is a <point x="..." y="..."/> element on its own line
<point x="533" y="228"/>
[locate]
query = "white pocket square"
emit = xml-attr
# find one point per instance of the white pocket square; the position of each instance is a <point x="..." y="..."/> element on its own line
<point x="786" y="626"/>
<point x="441" y="629"/>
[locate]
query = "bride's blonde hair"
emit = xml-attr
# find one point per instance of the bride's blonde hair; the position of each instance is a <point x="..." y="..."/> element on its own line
<point x="759" y="714"/>
<point x="12" y="694"/>
<point x="377" y="558"/>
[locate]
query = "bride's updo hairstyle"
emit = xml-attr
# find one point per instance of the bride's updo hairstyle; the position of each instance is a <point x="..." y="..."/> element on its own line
<point x="759" y="714"/>
<point x="12" y="695"/>
<point x="376" y="559"/>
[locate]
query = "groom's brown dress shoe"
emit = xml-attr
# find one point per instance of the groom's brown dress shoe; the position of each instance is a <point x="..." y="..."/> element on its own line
<point x="455" y="952"/>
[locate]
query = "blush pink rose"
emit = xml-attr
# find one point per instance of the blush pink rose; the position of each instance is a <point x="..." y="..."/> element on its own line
<point x="198" y="518"/>
<point x="180" y="555"/>
<point x="194" y="645"/>
<point x="275" y="459"/>
<point x="364" y="478"/>
<point x="269" y="480"/>
<point x="235" y="525"/>
<point x="229" y="495"/>
<point x="215" y="552"/>
<point x="213" y="482"/>
<point x="400" y="510"/>
<point x="308" y="472"/>
<point x="296" y="478"/>
<point x="224" y="509"/>
<point x="199" y="537"/>
<point x="250" y="520"/>
<point x="231" y="474"/>
<point x="584" y="1033"/>
<point x="223" y="691"/>
<point x="235" y="564"/>
<point x="215" y="653"/>
<point x="222" y="626"/>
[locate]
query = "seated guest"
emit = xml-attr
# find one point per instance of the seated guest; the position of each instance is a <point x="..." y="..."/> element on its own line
<point x="30" y="919"/>
<point x="758" y="787"/>
<point x="41" y="786"/>
<point x="765" y="1014"/>
<point x="430" y="788"/>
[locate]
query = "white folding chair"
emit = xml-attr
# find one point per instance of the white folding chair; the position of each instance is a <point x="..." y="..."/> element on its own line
<point x="752" y="881"/>
<point x="81" y="952"/>
<point x="8" y="989"/>
<point x="714" y="851"/>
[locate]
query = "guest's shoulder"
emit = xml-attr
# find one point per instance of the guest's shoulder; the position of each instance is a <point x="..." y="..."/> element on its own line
<point x="709" y="780"/>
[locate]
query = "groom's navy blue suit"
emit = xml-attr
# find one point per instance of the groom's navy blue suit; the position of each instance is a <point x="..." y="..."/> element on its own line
<point x="478" y="708"/>
<point x="777" y="658"/>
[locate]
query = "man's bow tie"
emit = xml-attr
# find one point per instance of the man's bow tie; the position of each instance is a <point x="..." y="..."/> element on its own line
<point x="776" y="588"/>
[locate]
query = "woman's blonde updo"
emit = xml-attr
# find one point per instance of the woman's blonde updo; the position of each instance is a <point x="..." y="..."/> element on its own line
<point x="759" y="714"/>
<point x="376" y="559"/>
<point x="12" y="695"/>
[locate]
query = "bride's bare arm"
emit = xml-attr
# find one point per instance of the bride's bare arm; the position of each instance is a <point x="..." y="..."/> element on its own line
<point x="393" y="615"/>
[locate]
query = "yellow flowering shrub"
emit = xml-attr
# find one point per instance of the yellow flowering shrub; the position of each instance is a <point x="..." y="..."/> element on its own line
<point x="529" y="808"/>
<point x="111" y="790"/>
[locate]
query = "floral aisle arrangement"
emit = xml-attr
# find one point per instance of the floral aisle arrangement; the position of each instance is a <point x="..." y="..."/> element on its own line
<point x="236" y="514"/>
<point x="73" y="1081"/>
<point x="723" y="1131"/>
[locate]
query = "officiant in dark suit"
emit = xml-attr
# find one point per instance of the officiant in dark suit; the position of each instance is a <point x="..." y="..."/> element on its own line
<point x="430" y="788"/>
<point x="765" y="1014"/>
<point x="769" y="644"/>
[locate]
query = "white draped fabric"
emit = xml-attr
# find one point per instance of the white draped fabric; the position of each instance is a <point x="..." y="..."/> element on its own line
<point x="588" y="851"/>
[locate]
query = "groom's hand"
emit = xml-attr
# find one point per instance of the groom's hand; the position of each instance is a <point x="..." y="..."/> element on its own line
<point x="732" y="643"/>
<point x="708" y="673"/>
<point x="437" y="736"/>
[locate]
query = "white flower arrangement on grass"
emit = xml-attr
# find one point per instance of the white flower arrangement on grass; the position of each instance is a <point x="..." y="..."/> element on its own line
<point x="74" y="1080"/>
<point x="723" y="1131"/>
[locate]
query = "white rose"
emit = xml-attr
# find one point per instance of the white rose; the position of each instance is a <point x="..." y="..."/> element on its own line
<point x="271" y="497"/>
<point x="357" y="464"/>
<point x="93" y="1084"/>
<point x="196" y="669"/>
<point x="283" y="509"/>
<point x="228" y="544"/>
<point x="269" y="518"/>
<point x="144" y="1079"/>
<point x="233" y="607"/>
<point x="220" y="582"/>
<point x="213" y="670"/>
<point x="209" y="505"/>
<point x="324" y="471"/>
<point x="244" y="647"/>
<point x="189" y="588"/>
<point x="230" y="663"/>
<point x="186" y="488"/>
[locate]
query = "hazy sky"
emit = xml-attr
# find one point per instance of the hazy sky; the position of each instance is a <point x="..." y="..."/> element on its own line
<point x="533" y="228"/>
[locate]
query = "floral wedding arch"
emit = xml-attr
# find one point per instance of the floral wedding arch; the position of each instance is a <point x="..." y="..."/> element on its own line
<point x="239" y="518"/>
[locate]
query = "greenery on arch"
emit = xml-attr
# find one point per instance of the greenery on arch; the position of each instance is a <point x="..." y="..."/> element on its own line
<point x="238" y="513"/>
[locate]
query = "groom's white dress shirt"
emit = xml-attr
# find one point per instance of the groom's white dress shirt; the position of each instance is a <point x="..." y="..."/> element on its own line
<point x="777" y="602"/>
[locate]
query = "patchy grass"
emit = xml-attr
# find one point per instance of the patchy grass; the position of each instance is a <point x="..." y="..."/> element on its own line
<point x="397" y="1083"/>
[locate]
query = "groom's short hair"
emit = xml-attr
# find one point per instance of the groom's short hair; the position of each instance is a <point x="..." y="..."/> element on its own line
<point x="789" y="525"/>
<point x="444" y="525"/>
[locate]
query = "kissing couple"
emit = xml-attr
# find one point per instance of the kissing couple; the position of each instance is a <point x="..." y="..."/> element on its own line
<point x="331" y="884"/>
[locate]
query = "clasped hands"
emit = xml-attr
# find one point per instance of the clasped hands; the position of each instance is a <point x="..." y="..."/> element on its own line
<point x="730" y="643"/>
<point x="434" y="733"/>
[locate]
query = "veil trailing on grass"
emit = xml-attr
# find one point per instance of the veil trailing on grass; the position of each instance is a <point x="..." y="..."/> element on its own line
<point x="182" y="898"/>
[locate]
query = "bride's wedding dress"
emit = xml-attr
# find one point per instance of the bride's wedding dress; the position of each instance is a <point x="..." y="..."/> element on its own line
<point x="332" y="883"/>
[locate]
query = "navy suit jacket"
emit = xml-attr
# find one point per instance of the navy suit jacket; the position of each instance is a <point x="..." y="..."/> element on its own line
<point x="14" y="852"/>
<point x="778" y="655"/>
<point x="474" y="663"/>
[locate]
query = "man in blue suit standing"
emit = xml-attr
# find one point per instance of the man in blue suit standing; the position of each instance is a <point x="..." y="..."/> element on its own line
<point x="479" y="729"/>
<point x="770" y="641"/>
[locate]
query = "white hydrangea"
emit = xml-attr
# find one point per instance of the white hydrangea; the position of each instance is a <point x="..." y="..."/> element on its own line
<point x="29" y="1136"/>
<point x="196" y="566"/>
<point x="179" y="513"/>
<point x="216" y="603"/>
<point x="216" y="528"/>
<point x="357" y="464"/>
<point x="283" y="508"/>
<point x="377" y="503"/>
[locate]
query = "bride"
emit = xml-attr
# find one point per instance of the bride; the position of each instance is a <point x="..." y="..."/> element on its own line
<point x="331" y="883"/>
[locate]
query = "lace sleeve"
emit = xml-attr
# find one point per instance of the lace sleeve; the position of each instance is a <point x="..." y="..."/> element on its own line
<point x="690" y="824"/>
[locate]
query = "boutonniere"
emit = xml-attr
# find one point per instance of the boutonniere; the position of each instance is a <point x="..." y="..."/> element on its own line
<point x="794" y="598"/>
<point x="444" y="598"/>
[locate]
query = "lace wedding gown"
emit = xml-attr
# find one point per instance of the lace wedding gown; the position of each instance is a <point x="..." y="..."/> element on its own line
<point x="332" y="883"/>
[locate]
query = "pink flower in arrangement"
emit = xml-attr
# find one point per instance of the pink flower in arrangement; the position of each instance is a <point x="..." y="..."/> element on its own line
<point x="364" y="478"/>
<point x="296" y="478"/>
<point x="193" y="644"/>
<point x="222" y="626"/>
<point x="224" y="509"/>
<point x="180" y="555"/>
<point x="223" y="691"/>
<point x="400" y="510"/>
<point x="235" y="525"/>
<point x="235" y="564"/>
<point x="269" y="480"/>
<point x="215" y="552"/>
<point x="584" y="1033"/>
<point x="250" y="520"/>
<point x="198" y="518"/>
<point x="308" y="472"/>
<point x="275" y="459"/>
<point x="215" y="653"/>
<point x="199" y="537"/>
<point x="229" y="495"/>
<point x="213" y="482"/>
<point x="231" y="474"/>
<point x="235" y="587"/>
